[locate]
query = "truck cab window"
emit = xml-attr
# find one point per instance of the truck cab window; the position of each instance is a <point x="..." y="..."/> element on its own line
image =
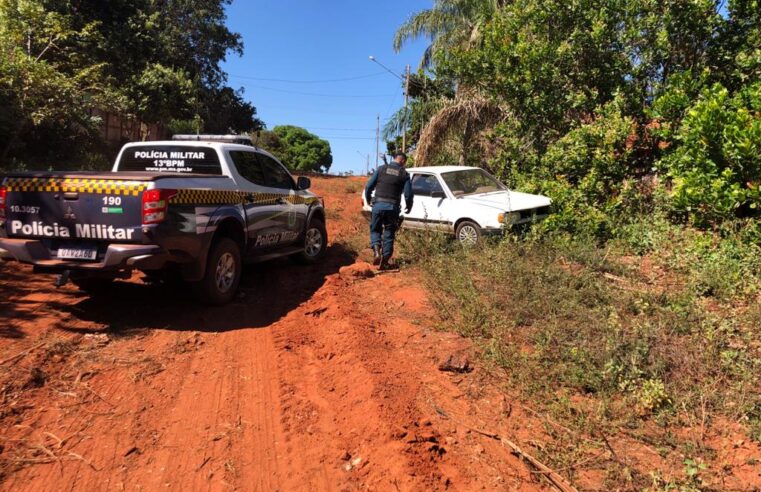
<point x="186" y="159"/>
<point x="248" y="166"/>
<point x="275" y="174"/>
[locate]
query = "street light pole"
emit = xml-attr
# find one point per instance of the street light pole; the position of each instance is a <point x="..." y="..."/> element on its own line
<point x="373" y="59"/>
<point x="377" y="140"/>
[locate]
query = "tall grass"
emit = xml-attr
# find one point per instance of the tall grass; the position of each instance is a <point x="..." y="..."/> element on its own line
<point x="659" y="327"/>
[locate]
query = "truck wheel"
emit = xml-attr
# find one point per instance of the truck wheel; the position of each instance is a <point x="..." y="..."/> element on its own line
<point x="222" y="276"/>
<point x="468" y="233"/>
<point x="315" y="242"/>
<point x="93" y="285"/>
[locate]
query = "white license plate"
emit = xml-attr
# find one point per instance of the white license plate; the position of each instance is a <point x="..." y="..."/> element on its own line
<point x="79" y="253"/>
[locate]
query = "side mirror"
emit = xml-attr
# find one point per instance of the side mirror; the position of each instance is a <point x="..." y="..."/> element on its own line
<point x="438" y="194"/>
<point x="303" y="183"/>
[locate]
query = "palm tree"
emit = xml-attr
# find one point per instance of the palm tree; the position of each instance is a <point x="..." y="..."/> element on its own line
<point x="458" y="121"/>
<point x="448" y="24"/>
<point x="449" y="120"/>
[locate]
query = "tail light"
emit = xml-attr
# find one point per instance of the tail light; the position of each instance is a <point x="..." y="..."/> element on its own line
<point x="156" y="204"/>
<point x="3" y="194"/>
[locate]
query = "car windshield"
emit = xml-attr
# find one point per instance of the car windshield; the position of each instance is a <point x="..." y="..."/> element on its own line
<point x="471" y="181"/>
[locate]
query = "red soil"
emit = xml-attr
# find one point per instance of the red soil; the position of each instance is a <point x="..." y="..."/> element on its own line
<point x="315" y="378"/>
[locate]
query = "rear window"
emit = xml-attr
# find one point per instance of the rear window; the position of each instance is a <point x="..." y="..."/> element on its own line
<point x="170" y="159"/>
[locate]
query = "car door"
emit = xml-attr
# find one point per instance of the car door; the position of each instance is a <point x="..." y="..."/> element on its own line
<point x="291" y="207"/>
<point x="262" y="226"/>
<point x="428" y="204"/>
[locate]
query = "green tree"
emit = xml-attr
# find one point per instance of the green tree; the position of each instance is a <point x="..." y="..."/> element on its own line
<point x="297" y="148"/>
<point x="43" y="84"/>
<point x="269" y="141"/>
<point x="597" y="94"/>
<point x="550" y="62"/>
<point x="151" y="60"/>
<point x="225" y="111"/>
<point x="736" y="53"/>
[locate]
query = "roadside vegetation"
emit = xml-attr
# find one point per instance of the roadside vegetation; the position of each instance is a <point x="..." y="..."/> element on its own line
<point x="77" y="83"/>
<point x="68" y="72"/>
<point x="654" y="342"/>
<point x="630" y="317"/>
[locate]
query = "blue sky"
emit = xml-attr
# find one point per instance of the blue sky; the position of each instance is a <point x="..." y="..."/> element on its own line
<point x="292" y="48"/>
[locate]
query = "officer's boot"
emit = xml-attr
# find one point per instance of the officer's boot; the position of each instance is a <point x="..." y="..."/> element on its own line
<point x="376" y="254"/>
<point x="383" y="263"/>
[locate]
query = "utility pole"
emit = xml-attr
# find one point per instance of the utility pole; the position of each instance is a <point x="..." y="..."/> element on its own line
<point x="406" y="106"/>
<point x="377" y="140"/>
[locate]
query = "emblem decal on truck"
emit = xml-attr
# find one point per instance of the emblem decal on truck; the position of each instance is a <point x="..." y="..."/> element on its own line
<point x="275" y="238"/>
<point x="83" y="231"/>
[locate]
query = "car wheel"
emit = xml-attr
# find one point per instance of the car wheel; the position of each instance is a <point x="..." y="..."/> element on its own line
<point x="222" y="275"/>
<point x="468" y="233"/>
<point x="315" y="242"/>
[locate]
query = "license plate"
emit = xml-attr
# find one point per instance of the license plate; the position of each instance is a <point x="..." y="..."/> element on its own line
<point x="78" y="253"/>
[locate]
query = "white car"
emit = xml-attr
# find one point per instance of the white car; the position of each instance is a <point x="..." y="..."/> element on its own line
<point x="466" y="201"/>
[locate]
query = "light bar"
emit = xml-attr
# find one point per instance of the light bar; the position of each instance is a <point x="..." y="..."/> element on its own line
<point x="236" y="139"/>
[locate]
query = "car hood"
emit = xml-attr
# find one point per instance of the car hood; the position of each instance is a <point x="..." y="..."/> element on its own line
<point x="509" y="201"/>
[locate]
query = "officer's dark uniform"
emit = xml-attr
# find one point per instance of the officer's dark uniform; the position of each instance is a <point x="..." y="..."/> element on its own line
<point x="390" y="181"/>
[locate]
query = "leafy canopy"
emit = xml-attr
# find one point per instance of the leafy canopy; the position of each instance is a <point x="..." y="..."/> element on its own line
<point x="152" y="61"/>
<point x="297" y="148"/>
<point x="594" y="101"/>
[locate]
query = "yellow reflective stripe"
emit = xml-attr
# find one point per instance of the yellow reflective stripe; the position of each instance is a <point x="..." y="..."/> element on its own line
<point x="78" y="185"/>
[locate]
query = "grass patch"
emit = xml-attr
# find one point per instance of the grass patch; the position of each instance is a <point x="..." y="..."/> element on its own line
<point x="598" y="342"/>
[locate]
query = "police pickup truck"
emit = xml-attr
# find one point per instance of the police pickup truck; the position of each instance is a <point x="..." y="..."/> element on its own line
<point x="197" y="209"/>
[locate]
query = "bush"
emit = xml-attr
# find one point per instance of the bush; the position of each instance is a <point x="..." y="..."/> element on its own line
<point x="715" y="166"/>
<point x="584" y="173"/>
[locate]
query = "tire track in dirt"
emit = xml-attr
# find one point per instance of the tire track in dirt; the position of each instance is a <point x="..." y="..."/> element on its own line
<point x="317" y="378"/>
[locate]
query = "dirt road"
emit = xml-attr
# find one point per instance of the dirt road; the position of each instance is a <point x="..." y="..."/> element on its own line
<point x="315" y="378"/>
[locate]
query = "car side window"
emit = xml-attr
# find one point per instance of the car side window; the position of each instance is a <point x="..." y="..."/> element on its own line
<point x="425" y="184"/>
<point x="275" y="174"/>
<point x="248" y="166"/>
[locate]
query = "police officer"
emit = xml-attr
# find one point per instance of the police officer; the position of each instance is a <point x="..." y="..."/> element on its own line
<point x="390" y="181"/>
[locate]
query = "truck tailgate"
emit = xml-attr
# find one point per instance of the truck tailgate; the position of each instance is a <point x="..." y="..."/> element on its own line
<point x="75" y="209"/>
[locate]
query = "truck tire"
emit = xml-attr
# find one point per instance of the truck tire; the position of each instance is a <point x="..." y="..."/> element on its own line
<point x="315" y="242"/>
<point x="222" y="275"/>
<point x="468" y="233"/>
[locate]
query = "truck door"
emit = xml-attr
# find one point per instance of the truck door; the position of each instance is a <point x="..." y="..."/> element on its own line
<point x="292" y="207"/>
<point x="263" y="224"/>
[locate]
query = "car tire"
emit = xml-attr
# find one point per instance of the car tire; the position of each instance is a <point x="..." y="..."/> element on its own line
<point x="222" y="275"/>
<point x="93" y="285"/>
<point x="468" y="233"/>
<point x="315" y="242"/>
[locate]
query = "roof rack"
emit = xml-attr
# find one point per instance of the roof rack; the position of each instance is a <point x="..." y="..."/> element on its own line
<point x="234" y="139"/>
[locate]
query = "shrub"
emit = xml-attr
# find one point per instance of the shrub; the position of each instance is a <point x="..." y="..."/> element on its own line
<point x="715" y="166"/>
